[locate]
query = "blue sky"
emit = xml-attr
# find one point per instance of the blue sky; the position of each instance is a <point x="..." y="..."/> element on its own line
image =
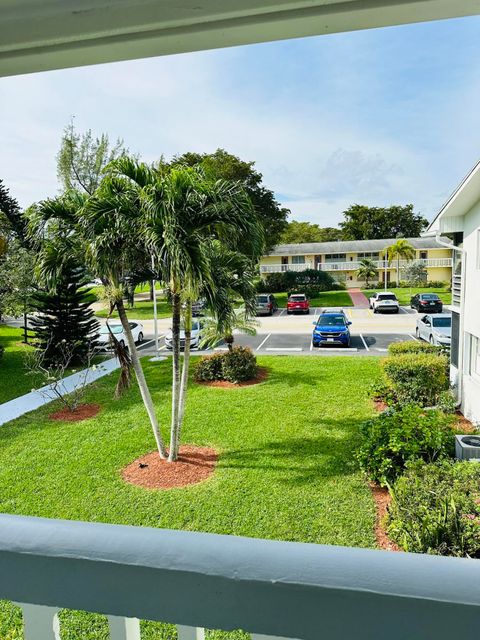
<point x="376" y="117"/>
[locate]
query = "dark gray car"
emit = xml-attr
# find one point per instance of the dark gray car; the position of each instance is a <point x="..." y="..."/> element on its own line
<point x="266" y="304"/>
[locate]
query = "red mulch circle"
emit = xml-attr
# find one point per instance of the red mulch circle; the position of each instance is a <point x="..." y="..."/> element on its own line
<point x="380" y="405"/>
<point x="194" y="465"/>
<point x="261" y="376"/>
<point x="382" y="500"/>
<point x="82" y="412"/>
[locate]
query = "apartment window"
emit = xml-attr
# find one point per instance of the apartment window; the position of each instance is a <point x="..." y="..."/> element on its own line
<point x="298" y="259"/>
<point x="371" y="255"/>
<point x="423" y="255"/>
<point x="475" y="357"/>
<point x="335" y="257"/>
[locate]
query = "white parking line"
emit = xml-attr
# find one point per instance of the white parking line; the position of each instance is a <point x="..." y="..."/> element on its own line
<point x="162" y="347"/>
<point x="263" y="342"/>
<point x="364" y="342"/>
<point x="413" y="337"/>
<point x="284" y="349"/>
<point x="221" y="349"/>
<point x="282" y="312"/>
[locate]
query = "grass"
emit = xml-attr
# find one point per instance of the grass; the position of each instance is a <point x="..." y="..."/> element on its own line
<point x="13" y="380"/>
<point x="143" y="310"/>
<point x="404" y="294"/>
<point x="325" y="299"/>
<point x="287" y="473"/>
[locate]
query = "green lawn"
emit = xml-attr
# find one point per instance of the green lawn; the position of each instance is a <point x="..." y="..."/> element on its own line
<point x="404" y="295"/>
<point x="143" y="310"/>
<point x="287" y="473"/>
<point x="13" y="380"/>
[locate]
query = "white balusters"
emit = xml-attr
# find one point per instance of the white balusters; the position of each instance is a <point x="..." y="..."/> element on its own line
<point x="40" y="623"/>
<point x="190" y="633"/>
<point x="124" y="628"/>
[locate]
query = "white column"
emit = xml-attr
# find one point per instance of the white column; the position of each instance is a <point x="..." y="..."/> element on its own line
<point x="190" y="633"/>
<point x="124" y="628"/>
<point x="40" y="623"/>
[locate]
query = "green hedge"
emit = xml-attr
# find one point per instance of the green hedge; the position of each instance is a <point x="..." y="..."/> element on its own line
<point x="311" y="280"/>
<point x="417" y="377"/>
<point x="412" y="346"/>
<point x="237" y="365"/>
<point x="397" y="436"/>
<point x="436" y="509"/>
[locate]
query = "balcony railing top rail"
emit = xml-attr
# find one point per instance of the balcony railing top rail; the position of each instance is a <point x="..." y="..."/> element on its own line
<point x="223" y="582"/>
<point x="353" y="265"/>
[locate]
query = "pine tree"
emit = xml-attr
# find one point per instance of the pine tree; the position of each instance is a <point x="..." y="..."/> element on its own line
<point x="65" y="321"/>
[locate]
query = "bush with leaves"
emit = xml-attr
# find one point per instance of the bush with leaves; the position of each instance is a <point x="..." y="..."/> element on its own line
<point x="412" y="346"/>
<point x="2" y="350"/>
<point x="436" y="509"/>
<point x="312" y="279"/>
<point x="397" y="436"/>
<point x="417" y="377"/>
<point x="237" y="365"/>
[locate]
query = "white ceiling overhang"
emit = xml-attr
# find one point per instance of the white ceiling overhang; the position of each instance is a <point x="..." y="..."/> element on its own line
<point x="37" y="35"/>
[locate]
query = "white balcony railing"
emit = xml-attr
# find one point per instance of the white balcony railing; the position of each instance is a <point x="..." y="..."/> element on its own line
<point x="354" y="265"/>
<point x="456" y="290"/>
<point x="197" y="581"/>
<point x="280" y="268"/>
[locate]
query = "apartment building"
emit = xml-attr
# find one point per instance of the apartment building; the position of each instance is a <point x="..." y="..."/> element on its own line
<point x="342" y="259"/>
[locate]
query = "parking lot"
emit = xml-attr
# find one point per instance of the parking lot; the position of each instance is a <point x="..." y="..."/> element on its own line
<point x="284" y="334"/>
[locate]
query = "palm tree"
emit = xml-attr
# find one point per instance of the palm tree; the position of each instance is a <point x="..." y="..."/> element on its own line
<point x="183" y="213"/>
<point x="400" y="250"/>
<point x="111" y="224"/>
<point x="367" y="270"/>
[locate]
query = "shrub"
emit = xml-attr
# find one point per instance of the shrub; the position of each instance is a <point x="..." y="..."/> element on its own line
<point x="2" y="349"/>
<point x="412" y="346"/>
<point x="397" y="436"/>
<point x="447" y="402"/>
<point x="436" y="284"/>
<point x="237" y="365"/>
<point x="417" y="377"/>
<point x="297" y="281"/>
<point x="436" y="509"/>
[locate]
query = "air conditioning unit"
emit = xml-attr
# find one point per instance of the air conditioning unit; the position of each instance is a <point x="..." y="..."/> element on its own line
<point x="467" y="447"/>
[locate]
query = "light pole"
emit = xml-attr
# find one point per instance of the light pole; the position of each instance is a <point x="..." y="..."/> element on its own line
<point x="155" y="320"/>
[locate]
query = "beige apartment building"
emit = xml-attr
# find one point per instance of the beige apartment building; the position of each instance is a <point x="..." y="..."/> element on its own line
<point x="342" y="259"/>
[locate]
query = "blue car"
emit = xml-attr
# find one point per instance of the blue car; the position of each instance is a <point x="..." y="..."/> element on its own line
<point x="331" y="328"/>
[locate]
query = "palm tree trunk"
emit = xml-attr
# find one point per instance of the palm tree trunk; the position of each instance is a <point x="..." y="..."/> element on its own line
<point x="142" y="383"/>
<point x="398" y="271"/>
<point x="184" y="379"/>
<point x="176" y="310"/>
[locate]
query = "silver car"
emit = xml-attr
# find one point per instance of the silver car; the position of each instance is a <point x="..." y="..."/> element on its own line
<point x="195" y="339"/>
<point x="104" y="339"/>
<point x="436" y="329"/>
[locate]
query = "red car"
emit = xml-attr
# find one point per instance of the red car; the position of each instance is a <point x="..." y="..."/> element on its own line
<point x="298" y="303"/>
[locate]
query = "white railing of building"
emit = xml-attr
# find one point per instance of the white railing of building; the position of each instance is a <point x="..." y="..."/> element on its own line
<point x="280" y="268"/>
<point x="456" y="290"/>
<point x="197" y="581"/>
<point x="353" y="265"/>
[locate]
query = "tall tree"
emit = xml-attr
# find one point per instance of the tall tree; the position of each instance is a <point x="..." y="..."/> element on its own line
<point x="17" y="282"/>
<point x="83" y="157"/>
<point x="12" y="222"/>
<point x="222" y="165"/>
<point x="298" y="232"/>
<point x="367" y="270"/>
<point x="400" y="250"/>
<point x="369" y="223"/>
<point x="64" y="319"/>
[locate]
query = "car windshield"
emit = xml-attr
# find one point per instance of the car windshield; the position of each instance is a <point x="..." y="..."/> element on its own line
<point x="331" y="321"/>
<point x="429" y="296"/>
<point x="115" y="328"/>
<point x="195" y="326"/>
<point x="387" y="296"/>
<point x="262" y="299"/>
<point x="300" y="298"/>
<point x="442" y="322"/>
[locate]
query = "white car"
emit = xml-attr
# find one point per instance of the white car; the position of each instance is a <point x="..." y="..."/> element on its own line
<point x="103" y="340"/>
<point x="435" y="328"/>
<point x="195" y="339"/>
<point x="384" y="301"/>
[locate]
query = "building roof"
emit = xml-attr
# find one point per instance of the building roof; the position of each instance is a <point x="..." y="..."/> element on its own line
<point x="349" y="246"/>
<point x="462" y="199"/>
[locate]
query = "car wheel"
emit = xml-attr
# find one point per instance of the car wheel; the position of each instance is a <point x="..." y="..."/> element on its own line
<point x="374" y="310"/>
<point x="140" y="338"/>
<point x="417" y="333"/>
<point x="397" y="311"/>
<point x="307" y="312"/>
<point x="432" y="341"/>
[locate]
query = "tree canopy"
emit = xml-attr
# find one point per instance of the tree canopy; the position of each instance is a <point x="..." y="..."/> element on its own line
<point x="222" y="165"/>
<point x="370" y="223"/>
<point x="11" y="220"/>
<point x="298" y="232"/>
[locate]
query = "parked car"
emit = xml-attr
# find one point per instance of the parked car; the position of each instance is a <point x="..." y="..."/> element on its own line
<point x="198" y="308"/>
<point x="426" y="302"/>
<point x="331" y="327"/>
<point x="266" y="304"/>
<point x="195" y="340"/>
<point x="298" y="303"/>
<point x="103" y="340"/>
<point x="382" y="301"/>
<point x="436" y="329"/>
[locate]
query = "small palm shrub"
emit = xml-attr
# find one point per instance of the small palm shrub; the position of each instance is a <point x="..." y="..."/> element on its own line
<point x="397" y="436"/>
<point x="436" y="509"/>
<point x="417" y="377"/>
<point x="236" y="365"/>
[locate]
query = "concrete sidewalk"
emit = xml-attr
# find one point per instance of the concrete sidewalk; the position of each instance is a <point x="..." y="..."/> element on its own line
<point x="36" y="399"/>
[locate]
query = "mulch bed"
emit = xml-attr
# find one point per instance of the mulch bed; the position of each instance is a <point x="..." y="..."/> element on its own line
<point x="464" y="425"/>
<point x="82" y="412"/>
<point x="261" y="376"/>
<point x="380" y="405"/>
<point x="194" y="465"/>
<point x="382" y="500"/>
